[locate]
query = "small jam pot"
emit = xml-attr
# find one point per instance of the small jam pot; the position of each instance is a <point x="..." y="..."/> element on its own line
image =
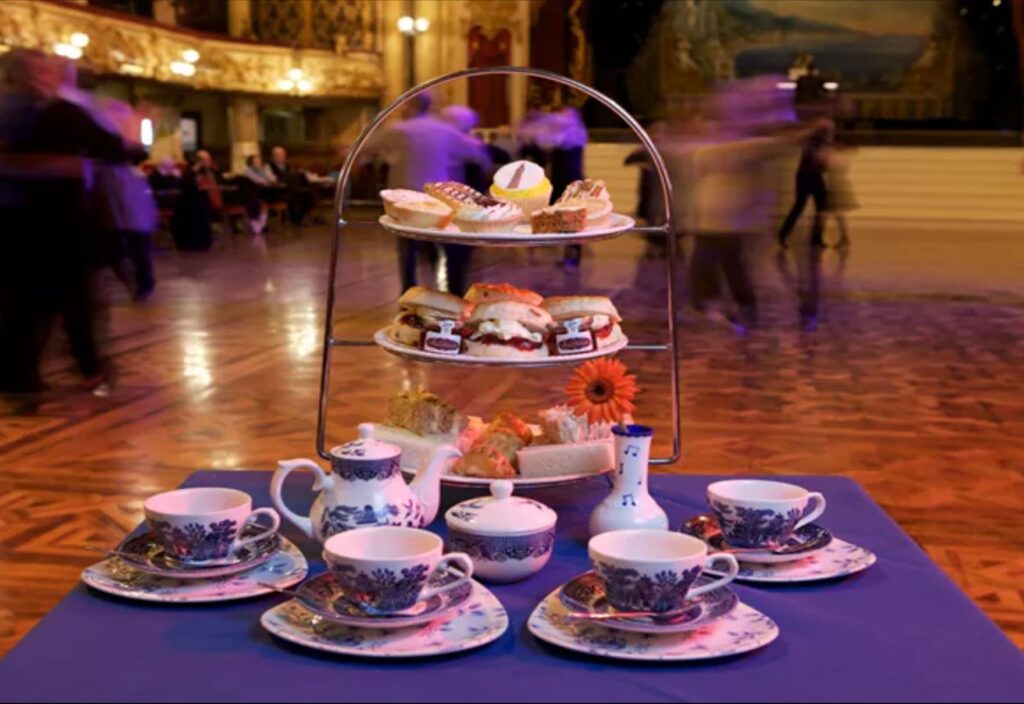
<point x="509" y="538"/>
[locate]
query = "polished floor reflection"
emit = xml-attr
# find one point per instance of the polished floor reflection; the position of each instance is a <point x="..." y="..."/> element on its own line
<point x="911" y="385"/>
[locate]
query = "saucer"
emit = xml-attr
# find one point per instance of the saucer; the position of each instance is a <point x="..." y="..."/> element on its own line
<point x="804" y="542"/>
<point x="586" y="593"/>
<point x="283" y="568"/>
<point x="741" y="631"/>
<point x="144" y="553"/>
<point x="324" y="597"/>
<point x="479" y="621"/>
<point x="839" y="559"/>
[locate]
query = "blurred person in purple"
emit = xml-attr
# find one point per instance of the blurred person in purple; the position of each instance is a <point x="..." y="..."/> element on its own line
<point x="420" y="149"/>
<point x="725" y="198"/>
<point x="123" y="207"/>
<point x="49" y="253"/>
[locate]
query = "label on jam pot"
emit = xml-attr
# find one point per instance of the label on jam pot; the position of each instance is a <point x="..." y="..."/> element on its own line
<point x="443" y="341"/>
<point x="573" y="340"/>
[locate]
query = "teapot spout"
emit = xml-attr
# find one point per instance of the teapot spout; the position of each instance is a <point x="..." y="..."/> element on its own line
<point x="426" y="487"/>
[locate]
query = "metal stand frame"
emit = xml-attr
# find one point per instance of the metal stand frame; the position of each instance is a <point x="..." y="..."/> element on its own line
<point x="330" y="342"/>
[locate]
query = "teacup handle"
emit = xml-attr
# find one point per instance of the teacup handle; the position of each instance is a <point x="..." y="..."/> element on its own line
<point x="730" y="574"/>
<point x="819" y="509"/>
<point x="284" y="468"/>
<point x="275" y="523"/>
<point x="457" y="559"/>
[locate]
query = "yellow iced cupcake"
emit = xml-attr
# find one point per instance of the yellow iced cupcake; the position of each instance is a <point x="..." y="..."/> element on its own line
<point x="522" y="183"/>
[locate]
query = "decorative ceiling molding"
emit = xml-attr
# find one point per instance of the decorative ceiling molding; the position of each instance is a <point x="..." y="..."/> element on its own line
<point x="145" y="50"/>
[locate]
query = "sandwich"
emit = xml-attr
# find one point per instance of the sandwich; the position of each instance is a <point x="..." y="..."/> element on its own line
<point x="582" y="323"/>
<point x="430" y="320"/>
<point x="494" y="293"/>
<point x="507" y="329"/>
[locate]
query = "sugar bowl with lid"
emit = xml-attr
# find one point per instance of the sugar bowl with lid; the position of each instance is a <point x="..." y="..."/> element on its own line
<point x="509" y="538"/>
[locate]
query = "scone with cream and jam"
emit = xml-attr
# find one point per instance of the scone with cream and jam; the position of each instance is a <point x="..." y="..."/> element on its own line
<point x="507" y="329"/>
<point x="495" y="293"/>
<point x="523" y="183"/>
<point x="416" y="209"/>
<point x="582" y="323"/>
<point x="430" y="320"/>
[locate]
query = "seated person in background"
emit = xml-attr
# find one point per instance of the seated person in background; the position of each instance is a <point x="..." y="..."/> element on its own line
<point x="300" y="195"/>
<point x="165" y="176"/>
<point x="256" y="172"/>
<point x="208" y="178"/>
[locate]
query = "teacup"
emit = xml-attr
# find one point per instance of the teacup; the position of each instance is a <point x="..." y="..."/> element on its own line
<point x="654" y="570"/>
<point x="204" y="524"/>
<point x="386" y="568"/>
<point x="754" y="513"/>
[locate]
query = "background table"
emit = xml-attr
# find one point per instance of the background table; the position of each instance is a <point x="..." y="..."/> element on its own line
<point x="899" y="631"/>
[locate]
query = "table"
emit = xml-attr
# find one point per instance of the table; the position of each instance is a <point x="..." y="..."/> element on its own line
<point x="899" y="631"/>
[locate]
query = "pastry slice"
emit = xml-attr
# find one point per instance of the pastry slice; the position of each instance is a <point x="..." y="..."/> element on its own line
<point x="570" y="217"/>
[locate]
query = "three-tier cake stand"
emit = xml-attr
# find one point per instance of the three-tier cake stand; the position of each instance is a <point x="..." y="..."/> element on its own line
<point x="334" y="345"/>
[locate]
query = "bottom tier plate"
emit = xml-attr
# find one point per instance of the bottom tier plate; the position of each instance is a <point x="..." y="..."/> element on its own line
<point x="741" y="631"/>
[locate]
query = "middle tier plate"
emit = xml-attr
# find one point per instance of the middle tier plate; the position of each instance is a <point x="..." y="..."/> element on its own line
<point x="382" y="339"/>
<point x="520" y="236"/>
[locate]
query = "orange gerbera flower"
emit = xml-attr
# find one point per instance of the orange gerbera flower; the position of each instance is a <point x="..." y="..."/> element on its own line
<point x="601" y="390"/>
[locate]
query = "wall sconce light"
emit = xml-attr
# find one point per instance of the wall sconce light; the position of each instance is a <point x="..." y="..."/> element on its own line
<point x="183" y="68"/>
<point x="146" y="132"/>
<point x="68" y="51"/>
<point x="411" y="26"/>
<point x="190" y="55"/>
<point x="79" y="39"/>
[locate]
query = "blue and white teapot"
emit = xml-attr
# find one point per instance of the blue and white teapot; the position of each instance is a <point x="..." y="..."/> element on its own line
<point x="365" y="488"/>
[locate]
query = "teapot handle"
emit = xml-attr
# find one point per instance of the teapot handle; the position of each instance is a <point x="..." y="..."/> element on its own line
<point x="284" y="468"/>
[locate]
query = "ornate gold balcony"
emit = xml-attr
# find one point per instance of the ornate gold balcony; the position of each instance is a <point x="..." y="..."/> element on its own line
<point x="144" y="49"/>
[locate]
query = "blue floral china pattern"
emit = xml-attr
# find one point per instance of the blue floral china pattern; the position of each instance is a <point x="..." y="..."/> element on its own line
<point x="340" y="518"/>
<point x="755" y="528"/>
<point x="196" y="542"/>
<point x="285" y="568"/>
<point x="585" y="593"/>
<point x="838" y="559"/>
<point x="627" y="589"/>
<point x="349" y="463"/>
<point x="804" y="542"/>
<point x="325" y="597"/>
<point x="145" y="554"/>
<point x="742" y="630"/>
<point x="501" y="548"/>
<point x="480" y="620"/>
<point x="383" y="590"/>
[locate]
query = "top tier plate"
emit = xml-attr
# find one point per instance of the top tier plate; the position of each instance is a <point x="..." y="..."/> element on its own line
<point x="518" y="237"/>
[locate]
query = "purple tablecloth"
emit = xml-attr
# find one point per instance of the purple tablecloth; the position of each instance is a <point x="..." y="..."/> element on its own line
<point x="899" y="631"/>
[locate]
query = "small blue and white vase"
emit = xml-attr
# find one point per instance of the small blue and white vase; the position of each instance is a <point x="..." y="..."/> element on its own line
<point x="630" y="504"/>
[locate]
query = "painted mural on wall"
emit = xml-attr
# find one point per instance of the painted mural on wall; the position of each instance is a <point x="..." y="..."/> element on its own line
<point x="867" y="50"/>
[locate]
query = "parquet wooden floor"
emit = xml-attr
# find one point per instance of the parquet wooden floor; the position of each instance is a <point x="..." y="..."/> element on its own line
<point x="912" y="386"/>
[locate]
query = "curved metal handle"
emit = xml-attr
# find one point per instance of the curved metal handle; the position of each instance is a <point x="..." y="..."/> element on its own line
<point x="364" y="135"/>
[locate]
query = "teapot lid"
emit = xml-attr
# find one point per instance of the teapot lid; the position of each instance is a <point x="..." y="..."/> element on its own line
<point x="500" y="513"/>
<point x="366" y="447"/>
